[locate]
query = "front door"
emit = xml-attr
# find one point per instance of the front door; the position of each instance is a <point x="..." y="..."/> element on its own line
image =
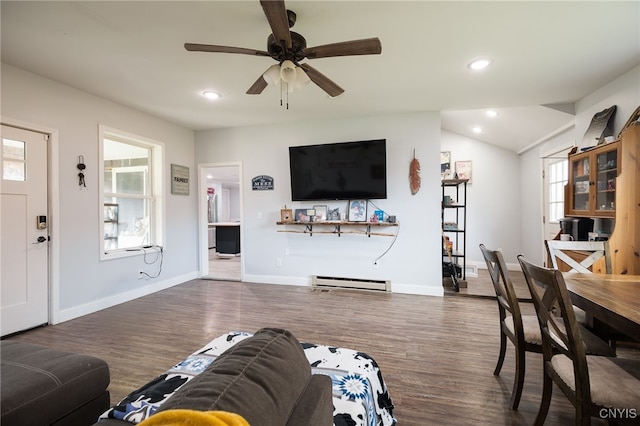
<point x="24" y="234"/>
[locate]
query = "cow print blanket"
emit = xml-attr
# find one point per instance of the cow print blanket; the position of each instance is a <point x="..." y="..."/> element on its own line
<point x="360" y="396"/>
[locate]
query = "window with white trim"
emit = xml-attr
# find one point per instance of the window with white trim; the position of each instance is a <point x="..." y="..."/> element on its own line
<point x="558" y="178"/>
<point x="131" y="184"/>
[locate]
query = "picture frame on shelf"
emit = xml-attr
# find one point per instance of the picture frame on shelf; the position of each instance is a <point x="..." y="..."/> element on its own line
<point x="321" y="213"/>
<point x="301" y="215"/>
<point x="286" y="215"/>
<point x="357" y="210"/>
<point x="463" y="170"/>
<point x="445" y="165"/>
<point x="334" y="214"/>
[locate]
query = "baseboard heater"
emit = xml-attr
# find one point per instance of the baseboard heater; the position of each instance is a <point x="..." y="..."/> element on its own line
<point x="350" y="283"/>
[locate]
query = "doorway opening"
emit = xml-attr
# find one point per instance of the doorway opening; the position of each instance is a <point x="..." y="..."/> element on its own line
<point x="220" y="219"/>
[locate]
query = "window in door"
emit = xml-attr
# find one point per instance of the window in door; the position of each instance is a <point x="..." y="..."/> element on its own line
<point x="131" y="187"/>
<point x="14" y="160"/>
<point x="558" y="177"/>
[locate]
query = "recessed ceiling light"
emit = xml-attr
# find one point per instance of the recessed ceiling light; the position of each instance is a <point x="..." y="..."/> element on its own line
<point x="480" y="64"/>
<point x="211" y="95"/>
<point x="491" y="113"/>
<point x="477" y="129"/>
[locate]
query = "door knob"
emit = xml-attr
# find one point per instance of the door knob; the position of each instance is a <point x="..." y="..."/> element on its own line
<point x="42" y="239"/>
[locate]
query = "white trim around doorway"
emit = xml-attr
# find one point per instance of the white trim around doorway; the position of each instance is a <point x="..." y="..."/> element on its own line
<point x="53" y="192"/>
<point x="203" y="225"/>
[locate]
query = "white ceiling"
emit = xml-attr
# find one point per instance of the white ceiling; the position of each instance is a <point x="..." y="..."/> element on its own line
<point x="132" y="53"/>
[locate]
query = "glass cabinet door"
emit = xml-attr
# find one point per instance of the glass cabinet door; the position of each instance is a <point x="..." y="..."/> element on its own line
<point x="580" y="173"/>
<point x="606" y="181"/>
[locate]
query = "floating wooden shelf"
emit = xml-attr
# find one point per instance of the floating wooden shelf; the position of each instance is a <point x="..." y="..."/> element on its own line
<point x="337" y="228"/>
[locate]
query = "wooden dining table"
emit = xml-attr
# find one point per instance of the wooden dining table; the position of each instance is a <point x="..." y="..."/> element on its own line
<point x="613" y="299"/>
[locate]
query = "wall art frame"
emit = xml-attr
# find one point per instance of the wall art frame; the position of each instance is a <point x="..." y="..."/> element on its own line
<point x="179" y="180"/>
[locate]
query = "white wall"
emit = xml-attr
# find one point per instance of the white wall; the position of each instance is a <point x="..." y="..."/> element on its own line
<point x="493" y="196"/>
<point x="85" y="284"/>
<point x="413" y="264"/>
<point x="234" y="198"/>
<point x="624" y="92"/>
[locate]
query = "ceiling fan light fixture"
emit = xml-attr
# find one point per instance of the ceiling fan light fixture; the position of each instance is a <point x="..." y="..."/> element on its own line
<point x="302" y="79"/>
<point x="272" y="75"/>
<point x="288" y="71"/>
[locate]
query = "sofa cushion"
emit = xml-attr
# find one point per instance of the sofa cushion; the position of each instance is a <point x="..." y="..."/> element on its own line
<point x="260" y="378"/>
<point x="41" y="386"/>
<point x="315" y="406"/>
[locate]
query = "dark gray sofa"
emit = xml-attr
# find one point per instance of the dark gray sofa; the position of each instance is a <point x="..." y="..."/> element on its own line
<point x="43" y="386"/>
<point x="265" y="378"/>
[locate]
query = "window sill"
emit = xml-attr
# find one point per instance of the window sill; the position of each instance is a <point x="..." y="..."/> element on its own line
<point x="129" y="252"/>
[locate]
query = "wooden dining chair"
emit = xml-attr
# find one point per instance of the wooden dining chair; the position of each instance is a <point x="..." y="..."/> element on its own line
<point x="584" y="257"/>
<point x="522" y="330"/>
<point x="579" y="256"/>
<point x="595" y="385"/>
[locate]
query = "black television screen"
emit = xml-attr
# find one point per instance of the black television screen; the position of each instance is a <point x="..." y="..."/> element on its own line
<point x="339" y="171"/>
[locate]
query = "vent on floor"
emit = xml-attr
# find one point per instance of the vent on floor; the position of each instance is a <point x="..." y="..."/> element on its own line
<point x="351" y="283"/>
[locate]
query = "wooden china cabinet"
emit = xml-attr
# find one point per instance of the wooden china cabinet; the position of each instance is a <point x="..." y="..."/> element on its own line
<point x="604" y="182"/>
<point x="592" y="181"/>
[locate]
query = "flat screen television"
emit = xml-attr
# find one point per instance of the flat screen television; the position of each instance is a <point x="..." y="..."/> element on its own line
<point x="339" y="171"/>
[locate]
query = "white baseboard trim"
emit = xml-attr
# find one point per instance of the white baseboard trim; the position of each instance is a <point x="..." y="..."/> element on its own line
<point x="107" y="302"/>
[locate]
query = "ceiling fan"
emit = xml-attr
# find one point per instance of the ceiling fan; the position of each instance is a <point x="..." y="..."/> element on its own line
<point x="289" y="48"/>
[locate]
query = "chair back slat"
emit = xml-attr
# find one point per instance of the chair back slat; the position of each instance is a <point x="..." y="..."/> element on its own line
<point x="592" y="251"/>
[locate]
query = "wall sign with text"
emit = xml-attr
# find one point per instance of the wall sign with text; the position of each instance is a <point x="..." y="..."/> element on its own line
<point x="262" y="183"/>
<point x="179" y="180"/>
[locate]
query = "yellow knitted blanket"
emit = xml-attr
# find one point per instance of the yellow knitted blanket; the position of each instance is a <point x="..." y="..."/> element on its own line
<point x="194" y="418"/>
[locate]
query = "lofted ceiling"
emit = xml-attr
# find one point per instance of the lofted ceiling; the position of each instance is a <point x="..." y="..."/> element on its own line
<point x="544" y="53"/>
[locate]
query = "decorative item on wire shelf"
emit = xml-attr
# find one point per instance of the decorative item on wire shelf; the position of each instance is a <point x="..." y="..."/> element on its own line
<point x="450" y="226"/>
<point x="463" y="170"/>
<point x="445" y="165"/>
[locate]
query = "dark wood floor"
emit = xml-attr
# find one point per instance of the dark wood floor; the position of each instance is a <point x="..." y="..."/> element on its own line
<point x="437" y="354"/>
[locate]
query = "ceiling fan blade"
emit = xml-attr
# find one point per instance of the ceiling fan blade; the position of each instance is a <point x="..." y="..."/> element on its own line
<point x="322" y="81"/>
<point x="194" y="47"/>
<point x="276" y="14"/>
<point x="258" y="86"/>
<point x="366" y="46"/>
